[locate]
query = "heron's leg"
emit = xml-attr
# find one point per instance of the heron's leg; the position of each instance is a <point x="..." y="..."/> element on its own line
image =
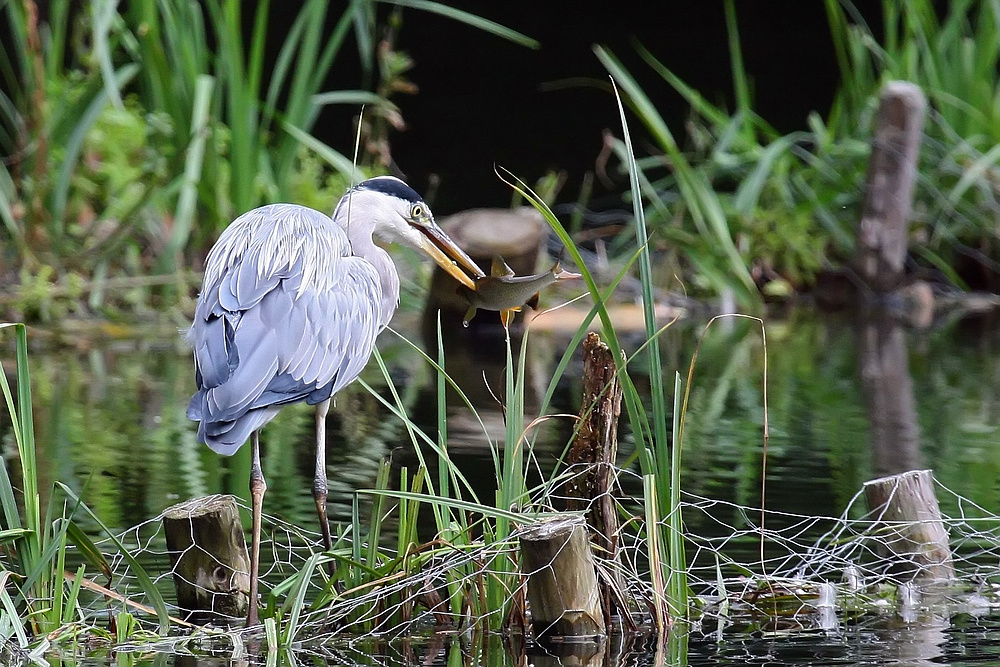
<point x="257" y="488"/>
<point x="319" y="479"/>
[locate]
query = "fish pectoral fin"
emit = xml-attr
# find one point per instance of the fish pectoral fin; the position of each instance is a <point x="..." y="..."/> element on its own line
<point x="499" y="268"/>
<point x="507" y="316"/>
<point x="469" y="314"/>
<point x="533" y="301"/>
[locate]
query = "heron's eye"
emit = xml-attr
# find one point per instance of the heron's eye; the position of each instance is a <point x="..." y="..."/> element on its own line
<point x="417" y="212"/>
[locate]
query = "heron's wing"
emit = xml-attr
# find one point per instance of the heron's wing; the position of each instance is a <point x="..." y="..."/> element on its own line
<point x="327" y="337"/>
<point x="289" y="344"/>
<point x="299" y="328"/>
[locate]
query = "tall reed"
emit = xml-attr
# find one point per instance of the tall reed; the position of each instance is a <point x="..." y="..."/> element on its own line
<point x="40" y="597"/>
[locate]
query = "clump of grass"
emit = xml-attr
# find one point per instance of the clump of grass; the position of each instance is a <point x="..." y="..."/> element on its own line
<point x="40" y="598"/>
<point x="135" y="133"/>
<point x="758" y="209"/>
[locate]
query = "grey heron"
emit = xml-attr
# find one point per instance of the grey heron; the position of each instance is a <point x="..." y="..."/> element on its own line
<point x="290" y="307"/>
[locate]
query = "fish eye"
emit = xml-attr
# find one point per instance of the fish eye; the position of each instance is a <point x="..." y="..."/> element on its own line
<point x="417" y="211"/>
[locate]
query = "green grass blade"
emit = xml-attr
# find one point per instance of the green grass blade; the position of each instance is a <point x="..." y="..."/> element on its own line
<point x="86" y="547"/>
<point x="521" y="518"/>
<point x="336" y="160"/>
<point x="10" y="609"/>
<point x="184" y="213"/>
<point x="677" y="589"/>
<point x="146" y="584"/>
<point x="104" y="13"/>
<point x="469" y="19"/>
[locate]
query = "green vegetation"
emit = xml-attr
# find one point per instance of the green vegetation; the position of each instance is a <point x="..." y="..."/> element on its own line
<point x="141" y="148"/>
<point x="39" y="596"/>
<point x="754" y="206"/>
<point x="135" y="133"/>
<point x="470" y="566"/>
<point x="471" y="563"/>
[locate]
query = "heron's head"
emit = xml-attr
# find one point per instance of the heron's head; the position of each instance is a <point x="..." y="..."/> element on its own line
<point x="397" y="214"/>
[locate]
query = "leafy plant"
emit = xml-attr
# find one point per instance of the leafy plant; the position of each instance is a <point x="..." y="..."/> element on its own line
<point x="136" y="132"/>
<point x="740" y="206"/>
<point x="38" y="595"/>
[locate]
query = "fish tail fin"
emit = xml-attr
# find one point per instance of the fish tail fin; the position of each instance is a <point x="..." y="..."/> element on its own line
<point x="559" y="273"/>
<point x="499" y="268"/>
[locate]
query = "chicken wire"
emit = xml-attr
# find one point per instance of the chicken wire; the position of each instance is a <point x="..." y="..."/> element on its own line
<point x="747" y="567"/>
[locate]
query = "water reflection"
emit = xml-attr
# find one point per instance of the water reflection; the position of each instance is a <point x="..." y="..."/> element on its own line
<point x="888" y="389"/>
<point x="110" y="422"/>
<point x="957" y="640"/>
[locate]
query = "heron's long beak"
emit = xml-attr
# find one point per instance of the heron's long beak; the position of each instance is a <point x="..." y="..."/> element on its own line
<point x="448" y="255"/>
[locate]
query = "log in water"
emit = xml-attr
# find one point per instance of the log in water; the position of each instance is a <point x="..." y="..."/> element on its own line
<point x="909" y="526"/>
<point x="562" y="583"/>
<point x="208" y="553"/>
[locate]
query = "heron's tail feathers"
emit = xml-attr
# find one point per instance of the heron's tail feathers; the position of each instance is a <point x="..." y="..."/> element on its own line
<point x="228" y="435"/>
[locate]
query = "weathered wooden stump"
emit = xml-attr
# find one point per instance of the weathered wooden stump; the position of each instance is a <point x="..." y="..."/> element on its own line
<point x="909" y="526"/>
<point x="593" y="452"/>
<point x="892" y="171"/>
<point x="516" y="235"/>
<point x="208" y="554"/>
<point x="562" y="583"/>
<point x="594" y="449"/>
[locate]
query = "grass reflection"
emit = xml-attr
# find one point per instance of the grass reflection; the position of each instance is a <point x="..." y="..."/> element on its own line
<point x="111" y="423"/>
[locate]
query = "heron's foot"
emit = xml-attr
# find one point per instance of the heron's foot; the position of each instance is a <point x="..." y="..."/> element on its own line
<point x="324" y="524"/>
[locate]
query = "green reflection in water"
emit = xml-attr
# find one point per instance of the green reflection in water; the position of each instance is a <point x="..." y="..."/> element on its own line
<point x="111" y="423"/>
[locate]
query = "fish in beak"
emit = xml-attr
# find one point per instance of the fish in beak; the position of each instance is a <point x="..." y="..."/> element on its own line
<point x="503" y="291"/>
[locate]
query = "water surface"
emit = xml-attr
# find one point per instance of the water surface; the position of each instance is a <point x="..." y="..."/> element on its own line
<point x="110" y="423"/>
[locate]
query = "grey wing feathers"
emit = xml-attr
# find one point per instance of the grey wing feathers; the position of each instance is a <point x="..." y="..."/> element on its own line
<point x="287" y="320"/>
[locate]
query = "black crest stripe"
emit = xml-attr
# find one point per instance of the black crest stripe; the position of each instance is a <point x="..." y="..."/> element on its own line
<point x="391" y="186"/>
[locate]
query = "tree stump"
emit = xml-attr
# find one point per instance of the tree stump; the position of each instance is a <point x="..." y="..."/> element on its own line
<point x="562" y="583"/>
<point x="209" y="559"/>
<point x="908" y="525"/>
<point x="592" y="456"/>
<point x="594" y="449"/>
<point x="892" y="171"/>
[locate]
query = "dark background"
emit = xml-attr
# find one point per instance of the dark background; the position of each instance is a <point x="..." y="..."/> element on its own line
<point x="485" y="101"/>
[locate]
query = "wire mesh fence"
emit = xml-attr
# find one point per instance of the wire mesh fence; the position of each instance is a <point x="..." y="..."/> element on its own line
<point x="747" y="567"/>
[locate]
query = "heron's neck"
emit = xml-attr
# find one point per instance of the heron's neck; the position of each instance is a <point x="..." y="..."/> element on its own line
<point x="363" y="246"/>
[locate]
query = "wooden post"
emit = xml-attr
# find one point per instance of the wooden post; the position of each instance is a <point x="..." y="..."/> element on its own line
<point x="892" y="171"/>
<point x="909" y="527"/>
<point x="562" y="583"/>
<point x="593" y="453"/>
<point x="208" y="554"/>
<point x="594" y="449"/>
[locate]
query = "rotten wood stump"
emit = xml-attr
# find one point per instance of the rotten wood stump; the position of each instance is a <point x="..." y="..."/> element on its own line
<point x="594" y="449"/>
<point x="209" y="559"/>
<point x="562" y="582"/>
<point x="909" y="526"/>
<point x="892" y="171"/>
<point x="591" y="459"/>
